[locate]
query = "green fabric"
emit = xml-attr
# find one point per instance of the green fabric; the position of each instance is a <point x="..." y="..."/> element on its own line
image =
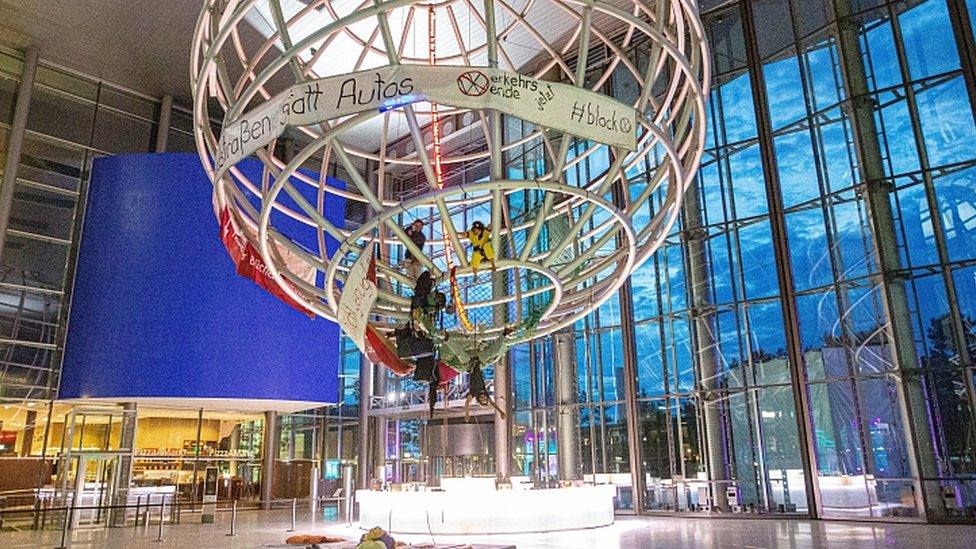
<point x="457" y="350"/>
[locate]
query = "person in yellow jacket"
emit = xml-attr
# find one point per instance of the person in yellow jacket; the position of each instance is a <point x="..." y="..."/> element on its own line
<point x="480" y="237"/>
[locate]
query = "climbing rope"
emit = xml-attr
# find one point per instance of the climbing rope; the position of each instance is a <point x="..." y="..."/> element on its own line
<point x="462" y="313"/>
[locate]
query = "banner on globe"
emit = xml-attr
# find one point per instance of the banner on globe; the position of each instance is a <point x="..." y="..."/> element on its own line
<point x="565" y="107"/>
<point x="358" y="296"/>
<point x="247" y="259"/>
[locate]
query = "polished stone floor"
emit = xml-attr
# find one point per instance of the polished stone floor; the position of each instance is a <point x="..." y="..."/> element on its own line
<point x="269" y="529"/>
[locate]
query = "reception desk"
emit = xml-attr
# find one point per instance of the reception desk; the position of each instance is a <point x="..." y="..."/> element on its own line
<point x="468" y="510"/>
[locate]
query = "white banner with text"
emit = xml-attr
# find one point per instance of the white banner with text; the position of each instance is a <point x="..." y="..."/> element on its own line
<point x="357" y="298"/>
<point x="564" y="107"/>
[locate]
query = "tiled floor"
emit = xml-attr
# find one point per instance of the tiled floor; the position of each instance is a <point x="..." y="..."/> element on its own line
<point x="268" y="529"/>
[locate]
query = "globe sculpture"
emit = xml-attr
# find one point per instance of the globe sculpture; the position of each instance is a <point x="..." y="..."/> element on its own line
<point x="567" y="129"/>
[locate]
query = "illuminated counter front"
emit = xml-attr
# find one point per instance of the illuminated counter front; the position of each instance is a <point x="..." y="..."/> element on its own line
<point x="476" y="511"/>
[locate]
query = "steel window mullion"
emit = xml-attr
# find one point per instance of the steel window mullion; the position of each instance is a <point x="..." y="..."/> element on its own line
<point x="24" y="343"/>
<point x="31" y="289"/>
<point x="588" y="347"/>
<point x="47" y="188"/>
<point x="962" y="28"/>
<point x="67" y="143"/>
<point x="38" y="237"/>
<point x="787" y="286"/>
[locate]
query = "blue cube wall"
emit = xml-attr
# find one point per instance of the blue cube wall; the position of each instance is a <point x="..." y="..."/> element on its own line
<point x="158" y="310"/>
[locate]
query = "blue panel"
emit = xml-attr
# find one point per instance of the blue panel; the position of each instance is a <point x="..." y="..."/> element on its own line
<point x="158" y="310"/>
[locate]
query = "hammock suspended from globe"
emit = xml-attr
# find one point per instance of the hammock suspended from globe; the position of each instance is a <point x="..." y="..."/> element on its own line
<point x="456" y="349"/>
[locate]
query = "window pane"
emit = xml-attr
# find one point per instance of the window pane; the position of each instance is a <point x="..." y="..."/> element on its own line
<point x="28" y="316"/>
<point x="756" y="247"/>
<point x="738" y="112"/>
<point x="809" y="249"/>
<point x="797" y="168"/>
<point x="957" y="202"/>
<point x="928" y="56"/>
<point x="42" y="212"/>
<point x="650" y="360"/>
<point x="784" y="91"/>
<point x="60" y="115"/>
<point x="34" y="263"/>
<point x="748" y="184"/>
<point x="117" y="133"/>
<point x="51" y="163"/>
<point x="8" y="97"/>
<point x="773" y="17"/>
<point x="726" y="40"/>
<point x="946" y="117"/>
<point x="917" y="231"/>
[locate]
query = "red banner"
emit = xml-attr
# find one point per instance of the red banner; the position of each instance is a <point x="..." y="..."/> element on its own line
<point x="380" y="350"/>
<point x="250" y="265"/>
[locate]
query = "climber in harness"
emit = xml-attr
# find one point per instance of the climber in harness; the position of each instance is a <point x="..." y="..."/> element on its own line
<point x="411" y="265"/>
<point x="416" y="339"/>
<point x="427" y="305"/>
<point x="481" y="249"/>
<point x="442" y="376"/>
<point x="478" y="391"/>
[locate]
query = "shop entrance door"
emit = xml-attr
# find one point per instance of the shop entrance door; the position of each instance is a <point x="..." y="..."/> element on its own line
<point x="95" y="484"/>
<point x="93" y="466"/>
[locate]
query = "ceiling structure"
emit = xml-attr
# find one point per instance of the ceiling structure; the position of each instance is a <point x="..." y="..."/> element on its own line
<point x="142" y="45"/>
<point x="459" y="39"/>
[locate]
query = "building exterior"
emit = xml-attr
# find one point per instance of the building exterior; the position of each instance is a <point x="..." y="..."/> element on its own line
<point x="803" y="345"/>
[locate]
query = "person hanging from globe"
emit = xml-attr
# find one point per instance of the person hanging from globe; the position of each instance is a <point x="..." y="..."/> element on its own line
<point x="411" y="265"/>
<point x="481" y="249"/>
<point x="478" y="391"/>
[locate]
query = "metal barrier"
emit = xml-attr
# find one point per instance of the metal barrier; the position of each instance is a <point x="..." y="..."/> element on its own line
<point x="294" y="512"/>
<point x="144" y="509"/>
<point x="233" y="520"/>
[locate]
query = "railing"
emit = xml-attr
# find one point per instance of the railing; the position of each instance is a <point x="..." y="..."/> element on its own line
<point x="44" y="514"/>
<point x="417" y="396"/>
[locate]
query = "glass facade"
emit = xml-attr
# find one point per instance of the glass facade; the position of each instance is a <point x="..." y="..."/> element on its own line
<point x="73" y="119"/>
<point x="786" y="177"/>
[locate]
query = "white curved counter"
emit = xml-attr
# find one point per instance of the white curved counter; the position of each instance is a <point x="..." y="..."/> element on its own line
<point x="487" y="512"/>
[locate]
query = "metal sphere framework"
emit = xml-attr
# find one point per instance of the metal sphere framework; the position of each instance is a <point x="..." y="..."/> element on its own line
<point x="423" y="105"/>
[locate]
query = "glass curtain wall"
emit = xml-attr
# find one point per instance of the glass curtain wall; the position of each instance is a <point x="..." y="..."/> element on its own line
<point x="339" y="446"/>
<point x="782" y="139"/>
<point x="71" y="120"/>
<point x="923" y="95"/>
<point x="770" y="378"/>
